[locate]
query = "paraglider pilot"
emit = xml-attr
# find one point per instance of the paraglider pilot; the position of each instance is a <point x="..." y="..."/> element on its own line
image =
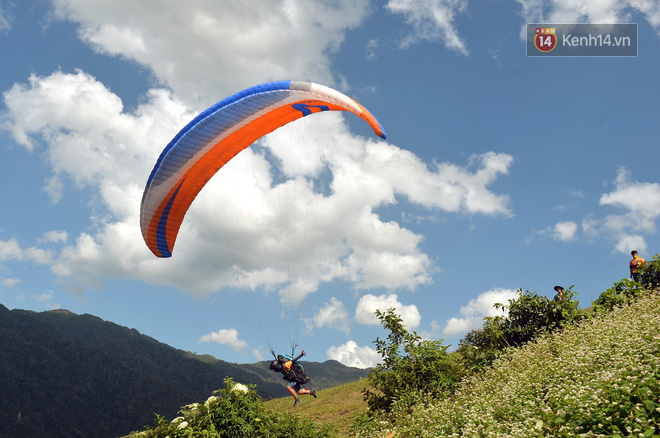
<point x="294" y="374"/>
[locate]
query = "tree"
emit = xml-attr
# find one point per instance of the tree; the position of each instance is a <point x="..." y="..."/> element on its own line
<point x="410" y="367"/>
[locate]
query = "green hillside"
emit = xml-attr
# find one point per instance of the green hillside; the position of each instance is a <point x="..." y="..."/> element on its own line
<point x="595" y="379"/>
<point x="598" y="378"/>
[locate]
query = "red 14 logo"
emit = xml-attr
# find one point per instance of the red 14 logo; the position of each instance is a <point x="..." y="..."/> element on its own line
<point x="545" y="43"/>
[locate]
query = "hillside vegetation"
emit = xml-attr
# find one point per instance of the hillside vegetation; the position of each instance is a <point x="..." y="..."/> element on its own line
<point x="546" y="369"/>
<point x="599" y="378"/>
<point x="595" y="379"/>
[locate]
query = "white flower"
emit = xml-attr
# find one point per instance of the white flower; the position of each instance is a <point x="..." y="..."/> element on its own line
<point x="240" y="387"/>
<point x="177" y="419"/>
<point x="210" y="400"/>
<point x="183" y="425"/>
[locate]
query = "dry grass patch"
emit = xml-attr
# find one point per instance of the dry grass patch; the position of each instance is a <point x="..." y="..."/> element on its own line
<point x="337" y="406"/>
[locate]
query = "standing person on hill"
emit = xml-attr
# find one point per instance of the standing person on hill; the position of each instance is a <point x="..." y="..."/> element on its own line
<point x="635" y="264"/>
<point x="560" y="293"/>
<point x="294" y="374"/>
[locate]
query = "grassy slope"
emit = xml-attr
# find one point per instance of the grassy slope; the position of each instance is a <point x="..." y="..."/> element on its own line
<point x="589" y="380"/>
<point x="561" y="375"/>
<point x="337" y="406"/>
<point x="563" y="372"/>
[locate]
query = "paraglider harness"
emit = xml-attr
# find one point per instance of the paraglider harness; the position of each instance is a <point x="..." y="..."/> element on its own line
<point x="292" y="370"/>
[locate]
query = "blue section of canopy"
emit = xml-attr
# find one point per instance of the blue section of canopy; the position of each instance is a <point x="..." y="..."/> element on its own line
<point x="211" y="123"/>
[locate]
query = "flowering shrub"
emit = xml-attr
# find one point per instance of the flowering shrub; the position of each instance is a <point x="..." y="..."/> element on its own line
<point x="240" y="387"/>
<point x="600" y="378"/>
<point x="233" y="412"/>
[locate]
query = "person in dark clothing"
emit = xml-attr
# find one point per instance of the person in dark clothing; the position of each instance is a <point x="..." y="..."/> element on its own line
<point x="560" y="293"/>
<point x="294" y="374"/>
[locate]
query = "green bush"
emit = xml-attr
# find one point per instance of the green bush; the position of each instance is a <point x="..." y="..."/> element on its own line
<point x="650" y="273"/>
<point x="410" y="367"/>
<point x="531" y="314"/>
<point x="479" y="348"/>
<point x="624" y="292"/>
<point x="527" y="317"/>
<point x="233" y="412"/>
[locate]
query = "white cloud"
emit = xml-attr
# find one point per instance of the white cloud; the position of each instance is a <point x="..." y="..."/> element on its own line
<point x="447" y="186"/>
<point x="368" y="304"/>
<point x="626" y="243"/>
<point x="57" y="236"/>
<point x="5" y="17"/>
<point x="257" y="354"/>
<point x="38" y="255"/>
<point x="9" y="282"/>
<point x="459" y="325"/>
<point x="642" y="200"/>
<point x="334" y="315"/>
<point x="431" y="20"/>
<point x="44" y="297"/>
<point x="351" y="355"/>
<point x="577" y="193"/>
<point x="11" y="250"/>
<point x="370" y="51"/>
<point x="564" y="231"/>
<point x="639" y="206"/>
<point x="637" y="209"/>
<point x="227" y="337"/>
<point x="185" y="45"/>
<point x="434" y="333"/>
<point x="45" y="300"/>
<point x="589" y="11"/>
<point x="472" y="314"/>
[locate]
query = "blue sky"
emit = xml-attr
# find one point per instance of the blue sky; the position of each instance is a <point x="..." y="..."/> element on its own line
<point x="500" y="171"/>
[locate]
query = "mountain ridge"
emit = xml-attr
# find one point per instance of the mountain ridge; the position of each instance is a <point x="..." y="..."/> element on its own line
<point x="70" y="375"/>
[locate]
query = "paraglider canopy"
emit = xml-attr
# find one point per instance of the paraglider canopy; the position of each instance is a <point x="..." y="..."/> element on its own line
<point x="217" y="135"/>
